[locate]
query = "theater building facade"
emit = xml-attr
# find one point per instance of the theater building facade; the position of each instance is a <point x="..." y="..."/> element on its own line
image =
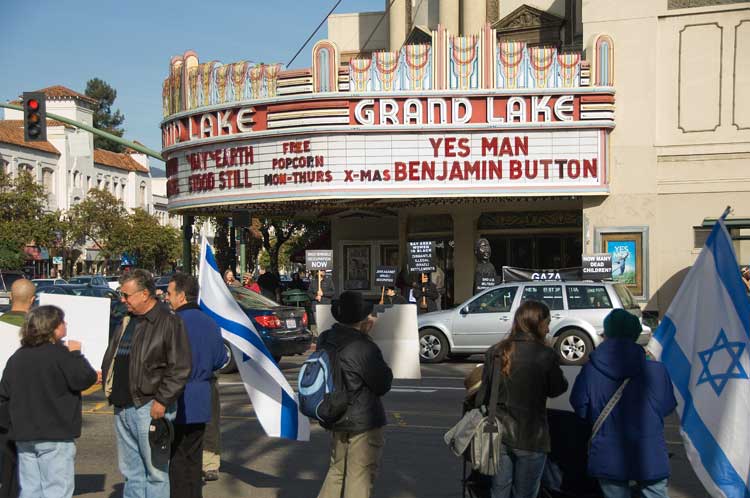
<point x="457" y="136"/>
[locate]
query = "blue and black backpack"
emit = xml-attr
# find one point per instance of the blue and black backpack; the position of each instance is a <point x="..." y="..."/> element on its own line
<point x="322" y="394"/>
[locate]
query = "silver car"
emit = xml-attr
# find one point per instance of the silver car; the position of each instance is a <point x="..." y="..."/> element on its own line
<point x="577" y="319"/>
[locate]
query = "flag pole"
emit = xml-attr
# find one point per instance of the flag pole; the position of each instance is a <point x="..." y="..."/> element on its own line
<point x="727" y="212"/>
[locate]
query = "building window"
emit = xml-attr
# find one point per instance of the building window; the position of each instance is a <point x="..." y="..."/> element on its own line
<point x="26" y="168"/>
<point x="700" y="235"/>
<point x="88" y="183"/>
<point x="5" y="166"/>
<point x="142" y="195"/>
<point x="48" y="177"/>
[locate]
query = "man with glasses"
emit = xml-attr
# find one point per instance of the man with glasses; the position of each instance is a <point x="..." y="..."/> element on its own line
<point x="144" y="371"/>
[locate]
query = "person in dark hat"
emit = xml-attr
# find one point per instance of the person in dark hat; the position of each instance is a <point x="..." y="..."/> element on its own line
<point x="630" y="444"/>
<point x="391" y="297"/>
<point x="358" y="435"/>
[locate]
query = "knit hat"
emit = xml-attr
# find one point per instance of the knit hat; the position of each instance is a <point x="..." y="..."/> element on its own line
<point x="620" y="324"/>
<point x="350" y="308"/>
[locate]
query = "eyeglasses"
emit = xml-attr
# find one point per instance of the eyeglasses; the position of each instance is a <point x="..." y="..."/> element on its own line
<point x="127" y="296"/>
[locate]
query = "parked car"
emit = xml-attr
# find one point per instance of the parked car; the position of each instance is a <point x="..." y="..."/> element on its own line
<point x="7" y="277"/>
<point x="577" y="311"/>
<point x="113" y="281"/>
<point x="92" y="280"/>
<point x="162" y="283"/>
<point x="46" y="282"/>
<point x="283" y="328"/>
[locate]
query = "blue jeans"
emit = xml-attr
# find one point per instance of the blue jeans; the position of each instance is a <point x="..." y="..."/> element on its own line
<point x="621" y="489"/>
<point x="46" y="468"/>
<point x="146" y="473"/>
<point x="520" y="474"/>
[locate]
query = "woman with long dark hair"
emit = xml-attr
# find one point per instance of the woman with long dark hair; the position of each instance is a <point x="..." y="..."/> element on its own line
<point x="41" y="386"/>
<point x="529" y="374"/>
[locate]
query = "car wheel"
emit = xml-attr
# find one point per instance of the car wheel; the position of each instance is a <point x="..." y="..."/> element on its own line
<point x="433" y="346"/>
<point x="230" y="366"/>
<point x="574" y="347"/>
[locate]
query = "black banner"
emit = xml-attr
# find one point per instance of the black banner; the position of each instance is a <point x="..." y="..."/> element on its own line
<point x="513" y="274"/>
<point x="422" y="256"/>
<point x="385" y="276"/>
<point x="596" y="266"/>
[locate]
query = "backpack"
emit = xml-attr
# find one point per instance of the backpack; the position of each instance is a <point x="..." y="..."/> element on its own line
<point x="322" y="394"/>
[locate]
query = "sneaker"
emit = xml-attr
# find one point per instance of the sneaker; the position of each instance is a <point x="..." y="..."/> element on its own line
<point x="211" y="475"/>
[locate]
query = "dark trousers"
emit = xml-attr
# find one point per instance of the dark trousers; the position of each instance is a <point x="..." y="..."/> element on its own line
<point x="212" y="437"/>
<point x="185" y="466"/>
<point x="8" y="467"/>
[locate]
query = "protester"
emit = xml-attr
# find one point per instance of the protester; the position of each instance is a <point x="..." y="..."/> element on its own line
<point x="297" y="282"/>
<point x="22" y="294"/>
<point x="392" y="298"/>
<point x="324" y="292"/>
<point x="249" y="283"/>
<point x="438" y="278"/>
<point x="630" y="445"/>
<point x="529" y="374"/>
<point x="230" y="280"/>
<point x="145" y="369"/>
<point x="212" y="436"/>
<point x="194" y="405"/>
<point x="270" y="285"/>
<point x="40" y="393"/>
<point x="425" y="293"/>
<point x="746" y="277"/>
<point x="357" y="438"/>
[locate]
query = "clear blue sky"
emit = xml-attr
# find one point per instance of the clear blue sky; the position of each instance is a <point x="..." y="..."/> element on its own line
<point x="129" y="43"/>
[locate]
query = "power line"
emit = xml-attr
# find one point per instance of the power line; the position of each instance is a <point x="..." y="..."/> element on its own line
<point x="313" y="33"/>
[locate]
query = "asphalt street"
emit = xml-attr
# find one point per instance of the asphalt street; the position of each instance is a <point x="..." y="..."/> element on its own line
<point x="416" y="462"/>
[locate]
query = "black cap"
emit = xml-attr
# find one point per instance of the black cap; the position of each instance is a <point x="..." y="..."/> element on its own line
<point x="350" y="308"/>
<point x="160" y="434"/>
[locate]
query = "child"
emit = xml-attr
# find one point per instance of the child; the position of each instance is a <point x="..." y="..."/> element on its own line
<point x="41" y="391"/>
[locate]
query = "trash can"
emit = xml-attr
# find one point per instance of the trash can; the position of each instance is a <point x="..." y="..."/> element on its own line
<point x="295" y="297"/>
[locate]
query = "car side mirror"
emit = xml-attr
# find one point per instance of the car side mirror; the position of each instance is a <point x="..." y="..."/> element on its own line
<point x="464" y="310"/>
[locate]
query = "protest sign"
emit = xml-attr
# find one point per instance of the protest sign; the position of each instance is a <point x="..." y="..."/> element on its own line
<point x="421" y="256"/>
<point x="596" y="266"/>
<point x="319" y="259"/>
<point x="485" y="283"/>
<point x="385" y="276"/>
<point x="9" y="342"/>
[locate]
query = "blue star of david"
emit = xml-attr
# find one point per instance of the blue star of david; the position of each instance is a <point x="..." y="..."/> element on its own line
<point x="735" y="371"/>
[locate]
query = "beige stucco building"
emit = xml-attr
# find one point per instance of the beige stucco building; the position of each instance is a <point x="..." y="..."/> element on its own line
<point x="620" y="127"/>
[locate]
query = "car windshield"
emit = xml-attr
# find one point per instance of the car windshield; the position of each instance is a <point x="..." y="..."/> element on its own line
<point x="9" y="278"/>
<point x="80" y="280"/>
<point x="251" y="300"/>
<point x="628" y="301"/>
<point x="113" y="279"/>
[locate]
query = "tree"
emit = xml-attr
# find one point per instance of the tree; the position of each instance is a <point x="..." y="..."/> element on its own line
<point x="224" y="253"/>
<point x="104" y="118"/>
<point x="154" y="247"/>
<point x="297" y="232"/>
<point x="102" y="219"/>
<point x="24" y="219"/>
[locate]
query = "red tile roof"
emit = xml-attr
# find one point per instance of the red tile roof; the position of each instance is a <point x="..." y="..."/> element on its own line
<point x="11" y="132"/>
<point x="117" y="160"/>
<point x="59" y="92"/>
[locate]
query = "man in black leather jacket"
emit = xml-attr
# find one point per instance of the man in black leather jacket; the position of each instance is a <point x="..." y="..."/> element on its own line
<point x="144" y="371"/>
<point x="358" y="434"/>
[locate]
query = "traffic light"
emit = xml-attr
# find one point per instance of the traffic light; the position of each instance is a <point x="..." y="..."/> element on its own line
<point x="34" y="117"/>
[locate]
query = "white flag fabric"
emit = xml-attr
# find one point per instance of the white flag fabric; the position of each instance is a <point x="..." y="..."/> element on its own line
<point x="274" y="401"/>
<point x="703" y="342"/>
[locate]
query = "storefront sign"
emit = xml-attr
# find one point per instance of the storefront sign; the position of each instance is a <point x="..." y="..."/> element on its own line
<point x="385" y="276"/>
<point x="596" y="266"/>
<point x="319" y="259"/>
<point x="421" y="256"/>
<point x="390" y="165"/>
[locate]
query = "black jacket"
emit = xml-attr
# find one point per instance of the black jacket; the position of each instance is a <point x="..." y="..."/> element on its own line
<point x="367" y="377"/>
<point x="160" y="358"/>
<point x="430" y="292"/>
<point x="41" y="389"/>
<point x="535" y="375"/>
<point x="327" y="286"/>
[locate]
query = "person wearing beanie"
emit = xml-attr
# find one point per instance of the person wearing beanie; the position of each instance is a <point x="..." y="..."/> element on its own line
<point x="630" y="444"/>
<point x="358" y="435"/>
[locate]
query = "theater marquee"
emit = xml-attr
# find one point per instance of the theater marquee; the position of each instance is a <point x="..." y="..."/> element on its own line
<point x="390" y="165"/>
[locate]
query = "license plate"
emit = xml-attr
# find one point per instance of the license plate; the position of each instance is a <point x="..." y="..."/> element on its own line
<point x="4" y="300"/>
<point x="291" y="323"/>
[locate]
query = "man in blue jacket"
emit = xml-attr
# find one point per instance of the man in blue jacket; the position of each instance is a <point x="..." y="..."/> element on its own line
<point x="630" y="444"/>
<point x="194" y="406"/>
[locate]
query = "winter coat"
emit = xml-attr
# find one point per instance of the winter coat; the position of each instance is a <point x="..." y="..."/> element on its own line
<point x="428" y="291"/>
<point x="630" y="444"/>
<point x="535" y="375"/>
<point x="208" y="354"/>
<point x="367" y="377"/>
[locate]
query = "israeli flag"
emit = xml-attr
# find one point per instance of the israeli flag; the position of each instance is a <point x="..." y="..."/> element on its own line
<point x="703" y="342"/>
<point x="274" y="400"/>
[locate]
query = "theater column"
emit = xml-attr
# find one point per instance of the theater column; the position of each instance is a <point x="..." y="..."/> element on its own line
<point x="464" y="236"/>
<point x="187" y="243"/>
